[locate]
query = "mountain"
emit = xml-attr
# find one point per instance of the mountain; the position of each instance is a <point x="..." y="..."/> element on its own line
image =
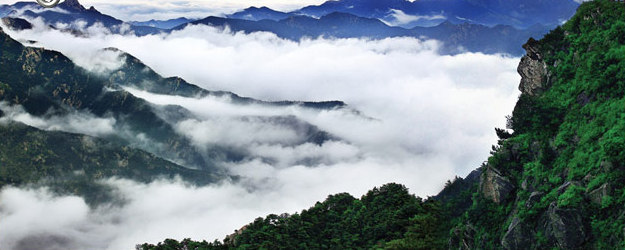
<point x="71" y="15"/>
<point x="16" y="23"/>
<point x="555" y="179"/>
<point x="137" y="75"/>
<point x="48" y="87"/>
<point x="163" y="24"/>
<point x="46" y="83"/>
<point x="456" y="38"/>
<point x="520" y="14"/>
<point x="257" y="14"/>
<point x="71" y="163"/>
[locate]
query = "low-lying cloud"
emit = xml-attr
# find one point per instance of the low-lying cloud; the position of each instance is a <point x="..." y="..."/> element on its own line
<point x="398" y="18"/>
<point x="74" y="122"/>
<point x="423" y="119"/>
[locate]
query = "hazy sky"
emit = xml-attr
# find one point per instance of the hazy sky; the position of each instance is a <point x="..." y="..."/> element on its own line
<point x="142" y="10"/>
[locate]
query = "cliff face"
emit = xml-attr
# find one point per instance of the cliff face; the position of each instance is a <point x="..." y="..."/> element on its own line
<point x="557" y="180"/>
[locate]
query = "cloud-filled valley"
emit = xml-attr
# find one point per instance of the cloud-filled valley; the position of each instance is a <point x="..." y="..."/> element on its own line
<point x="414" y="117"/>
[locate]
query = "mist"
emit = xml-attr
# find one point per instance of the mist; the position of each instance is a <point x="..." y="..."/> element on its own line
<point x="414" y="117"/>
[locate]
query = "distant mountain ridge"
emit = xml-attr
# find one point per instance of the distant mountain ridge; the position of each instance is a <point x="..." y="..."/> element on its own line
<point x="456" y="38"/>
<point x="425" y="13"/>
<point x="163" y="24"/>
<point x="70" y="14"/>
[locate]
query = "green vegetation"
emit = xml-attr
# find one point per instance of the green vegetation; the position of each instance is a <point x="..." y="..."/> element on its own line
<point x="564" y="162"/>
<point x="47" y="83"/>
<point x="71" y="162"/>
<point x="386" y="217"/>
<point x="569" y="140"/>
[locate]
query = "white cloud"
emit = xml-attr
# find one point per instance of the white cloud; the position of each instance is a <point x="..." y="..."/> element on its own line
<point x="75" y="122"/>
<point x="431" y="117"/>
<point x="398" y="18"/>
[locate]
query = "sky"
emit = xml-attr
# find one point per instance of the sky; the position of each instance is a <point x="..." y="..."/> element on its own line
<point x="414" y="117"/>
<point x="143" y="10"/>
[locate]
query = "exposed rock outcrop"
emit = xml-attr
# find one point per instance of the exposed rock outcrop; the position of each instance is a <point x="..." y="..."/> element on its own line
<point x="533" y="70"/>
<point x="518" y="236"/>
<point x="598" y="195"/>
<point x="494" y="186"/>
<point x="533" y="199"/>
<point x="564" y="228"/>
<point x="462" y="238"/>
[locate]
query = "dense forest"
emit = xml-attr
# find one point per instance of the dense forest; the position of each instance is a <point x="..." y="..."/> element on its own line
<point x="555" y="179"/>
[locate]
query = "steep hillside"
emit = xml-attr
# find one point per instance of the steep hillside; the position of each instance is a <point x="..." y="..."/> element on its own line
<point x="555" y="180"/>
<point x="73" y="163"/>
<point x="46" y="83"/>
<point x="558" y="179"/>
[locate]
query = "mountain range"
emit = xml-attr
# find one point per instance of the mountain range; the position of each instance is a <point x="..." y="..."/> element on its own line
<point x="425" y="13"/>
<point x="554" y="180"/>
<point x="486" y="27"/>
<point x="455" y="38"/>
<point x="47" y="86"/>
<point x="163" y="24"/>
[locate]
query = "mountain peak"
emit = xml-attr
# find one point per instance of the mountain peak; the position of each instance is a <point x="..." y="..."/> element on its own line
<point x="72" y="5"/>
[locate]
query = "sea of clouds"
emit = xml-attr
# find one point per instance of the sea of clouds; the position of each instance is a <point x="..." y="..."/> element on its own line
<point x="422" y="119"/>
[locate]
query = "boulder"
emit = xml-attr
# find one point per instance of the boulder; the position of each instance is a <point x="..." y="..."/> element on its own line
<point x="598" y="195"/>
<point x="518" y="236"/>
<point x="533" y="199"/>
<point x="462" y="238"/>
<point x="494" y="186"/>
<point x="564" y="228"/>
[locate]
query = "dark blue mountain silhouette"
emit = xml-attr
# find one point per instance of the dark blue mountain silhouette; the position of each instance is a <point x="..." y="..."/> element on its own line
<point x="456" y="38"/>
<point x="163" y="24"/>
<point x="257" y="14"/>
<point x="72" y="13"/>
<point x="518" y="13"/>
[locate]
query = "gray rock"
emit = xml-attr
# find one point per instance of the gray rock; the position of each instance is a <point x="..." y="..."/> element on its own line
<point x="588" y="178"/>
<point x="494" y="186"/>
<point x="528" y="184"/>
<point x="518" y="236"/>
<point x="462" y="238"/>
<point x="533" y="199"/>
<point x="598" y="195"/>
<point x="533" y="70"/>
<point x="606" y="166"/>
<point x="564" y="228"/>
<point x="566" y="185"/>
